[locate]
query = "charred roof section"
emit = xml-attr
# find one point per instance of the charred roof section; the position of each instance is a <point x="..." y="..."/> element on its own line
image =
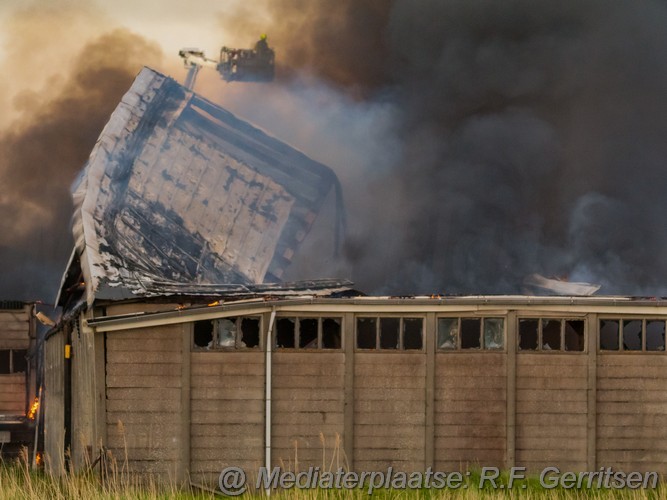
<point x="180" y="193"/>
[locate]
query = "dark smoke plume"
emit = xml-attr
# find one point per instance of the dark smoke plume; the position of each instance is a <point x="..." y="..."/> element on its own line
<point x="44" y="149"/>
<point x="530" y="137"/>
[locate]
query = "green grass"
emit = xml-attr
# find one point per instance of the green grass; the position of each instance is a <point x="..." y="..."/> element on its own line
<point x="18" y="481"/>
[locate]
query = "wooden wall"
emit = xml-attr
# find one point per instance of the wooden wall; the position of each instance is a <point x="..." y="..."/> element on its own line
<point x="308" y="408"/>
<point x="173" y="410"/>
<point x="227" y="413"/>
<point x="470" y="410"/>
<point x="632" y="411"/>
<point x="389" y="410"/>
<point x="14" y="334"/>
<point x="143" y="399"/>
<point x="12" y="394"/>
<point x="551" y="411"/>
<point x="15" y="329"/>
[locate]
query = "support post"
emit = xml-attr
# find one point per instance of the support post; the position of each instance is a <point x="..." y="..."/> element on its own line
<point x="348" y="410"/>
<point x="186" y="342"/>
<point x="511" y="346"/>
<point x="430" y="334"/>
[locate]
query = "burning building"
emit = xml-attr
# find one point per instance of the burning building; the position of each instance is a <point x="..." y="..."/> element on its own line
<point x="181" y="353"/>
<point x="18" y="377"/>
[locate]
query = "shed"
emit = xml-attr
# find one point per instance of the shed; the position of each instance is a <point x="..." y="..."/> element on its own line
<point x="18" y="376"/>
<point x="183" y="390"/>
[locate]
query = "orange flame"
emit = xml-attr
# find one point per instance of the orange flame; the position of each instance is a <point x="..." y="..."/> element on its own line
<point x="213" y="304"/>
<point x="33" y="409"/>
<point x="38" y="458"/>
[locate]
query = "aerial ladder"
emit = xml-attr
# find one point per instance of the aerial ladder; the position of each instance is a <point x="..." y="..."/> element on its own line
<point x="244" y="65"/>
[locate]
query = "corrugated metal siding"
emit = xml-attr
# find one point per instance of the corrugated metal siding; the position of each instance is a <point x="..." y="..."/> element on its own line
<point x="84" y="447"/>
<point x="54" y="402"/>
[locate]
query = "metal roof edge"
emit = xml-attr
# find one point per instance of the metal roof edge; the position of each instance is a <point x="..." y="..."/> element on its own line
<point x="266" y="304"/>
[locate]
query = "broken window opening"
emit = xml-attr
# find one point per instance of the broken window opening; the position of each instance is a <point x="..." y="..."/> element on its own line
<point x="655" y="335"/>
<point x="203" y="334"/>
<point x="308" y="333"/>
<point x="551" y="335"/>
<point x="331" y="333"/>
<point x="19" y="360"/>
<point x="609" y="334"/>
<point x="471" y="329"/>
<point x="494" y="330"/>
<point x="448" y="333"/>
<point x="632" y="335"/>
<point x="574" y="335"/>
<point x="475" y="333"/>
<point x="412" y="334"/>
<point x="285" y="333"/>
<point x="226" y="332"/>
<point x="366" y="333"/>
<point x="13" y="361"/>
<point x="528" y="334"/>
<point x="5" y="361"/>
<point x="250" y="329"/>
<point x="389" y="333"/>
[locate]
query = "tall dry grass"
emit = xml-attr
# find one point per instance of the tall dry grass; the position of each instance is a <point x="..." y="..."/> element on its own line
<point x="116" y="481"/>
<point x="19" y="481"/>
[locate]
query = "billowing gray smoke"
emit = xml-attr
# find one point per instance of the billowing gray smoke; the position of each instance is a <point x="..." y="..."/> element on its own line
<point x="531" y="138"/>
<point x="519" y="136"/>
<point x="41" y="153"/>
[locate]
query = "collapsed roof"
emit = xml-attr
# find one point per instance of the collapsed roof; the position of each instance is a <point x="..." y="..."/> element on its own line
<point x="178" y="194"/>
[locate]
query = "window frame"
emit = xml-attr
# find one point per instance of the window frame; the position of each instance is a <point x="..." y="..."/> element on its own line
<point x="297" y="333"/>
<point x="401" y="333"/>
<point x="621" y="319"/>
<point x="216" y="347"/>
<point x="482" y="348"/>
<point x="12" y="371"/>
<point x="551" y="317"/>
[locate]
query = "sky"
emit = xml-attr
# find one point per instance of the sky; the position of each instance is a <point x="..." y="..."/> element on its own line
<point x="170" y="24"/>
<point x="477" y="142"/>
